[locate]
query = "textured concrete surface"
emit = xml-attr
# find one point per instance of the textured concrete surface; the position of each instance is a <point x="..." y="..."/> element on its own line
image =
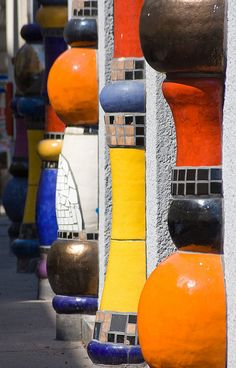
<point x="160" y="159"/>
<point x="27" y="325"/>
<point x="105" y="53"/>
<point x="229" y="182"/>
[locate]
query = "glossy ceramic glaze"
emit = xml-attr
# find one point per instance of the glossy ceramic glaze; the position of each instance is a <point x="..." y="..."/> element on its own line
<point x="171" y="32"/>
<point x="52" y="16"/>
<point x="45" y="207"/>
<point x="50" y="149"/>
<point x="196" y="106"/>
<point x="73" y="267"/>
<point x="73" y="87"/>
<point x="126" y="28"/>
<point x="186" y="292"/>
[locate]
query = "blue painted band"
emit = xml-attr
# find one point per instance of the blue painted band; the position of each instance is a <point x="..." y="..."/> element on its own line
<point x="114" y="354"/>
<point x="75" y="304"/>
<point x="46" y="220"/>
<point x="123" y="96"/>
<point x="31" y="106"/>
<point x="25" y="247"/>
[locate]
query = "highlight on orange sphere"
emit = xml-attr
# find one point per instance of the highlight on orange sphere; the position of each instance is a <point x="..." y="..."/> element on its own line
<point x="182" y="313"/>
<point x="73" y="87"/>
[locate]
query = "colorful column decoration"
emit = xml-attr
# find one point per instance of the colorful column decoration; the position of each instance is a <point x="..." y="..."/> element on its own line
<point x="52" y="17"/>
<point x="14" y="195"/>
<point x="73" y="91"/>
<point x="182" y="309"/>
<point x="29" y="69"/>
<point x="115" y="335"/>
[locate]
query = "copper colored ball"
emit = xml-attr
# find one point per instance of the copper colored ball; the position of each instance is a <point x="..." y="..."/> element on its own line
<point x="183" y="36"/>
<point x="29" y="68"/>
<point x="72" y="267"/>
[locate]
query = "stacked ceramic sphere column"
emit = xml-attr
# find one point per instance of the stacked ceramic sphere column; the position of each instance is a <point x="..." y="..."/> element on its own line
<point x="115" y="335"/>
<point x="73" y="259"/>
<point x="15" y="191"/>
<point x="52" y="17"/>
<point x="182" y="310"/>
<point x="29" y="69"/>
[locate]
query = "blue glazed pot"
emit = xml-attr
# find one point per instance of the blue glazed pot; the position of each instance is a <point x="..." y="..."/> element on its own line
<point x="75" y="304"/>
<point x="114" y="354"/>
<point x="125" y="96"/>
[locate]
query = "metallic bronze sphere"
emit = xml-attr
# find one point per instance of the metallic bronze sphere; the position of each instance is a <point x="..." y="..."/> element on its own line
<point x="183" y="35"/>
<point x="72" y="267"/>
<point x="29" y="68"/>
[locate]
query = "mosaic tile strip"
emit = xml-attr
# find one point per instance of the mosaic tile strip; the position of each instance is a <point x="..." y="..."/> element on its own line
<point x="85" y="8"/>
<point x="125" y="130"/>
<point x="113" y="327"/>
<point x="76" y="235"/>
<point x="127" y="69"/>
<point x="68" y="209"/>
<point x="197" y="181"/>
<point x="49" y="165"/>
<point x="54" y="136"/>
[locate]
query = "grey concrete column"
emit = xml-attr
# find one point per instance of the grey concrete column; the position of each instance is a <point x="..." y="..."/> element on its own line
<point x="105" y="37"/>
<point x="160" y="159"/>
<point x="229" y="182"/>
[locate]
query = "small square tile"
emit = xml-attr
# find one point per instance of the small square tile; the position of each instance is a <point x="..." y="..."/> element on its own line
<point x="129" y="120"/>
<point x="118" y="322"/>
<point x="94" y="12"/>
<point x="129" y="64"/>
<point x="216" y="174"/>
<point x="87" y="4"/>
<point x="139" y="64"/>
<point x="181" y="175"/>
<point x="202" y="174"/>
<point x="120" y="339"/>
<point x="140" y="119"/>
<point x="202" y="189"/>
<point x="120" y="64"/>
<point x="120" y="75"/>
<point x="131" y="340"/>
<point x="131" y="328"/>
<point x="139" y="141"/>
<point x="111" y="337"/>
<point x="128" y="75"/>
<point x="86" y="12"/>
<point x="94" y="4"/>
<point x="190" y="188"/>
<point x="107" y="316"/>
<point x="111" y="119"/>
<point x="216" y="188"/>
<point x="175" y="175"/>
<point x="80" y="12"/>
<point x="191" y="175"/>
<point x="97" y="329"/>
<point x="181" y="189"/>
<point x="138" y="74"/>
<point x="132" y="319"/>
<point x="174" y="189"/>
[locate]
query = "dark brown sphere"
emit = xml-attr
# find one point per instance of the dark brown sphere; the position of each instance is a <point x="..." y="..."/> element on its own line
<point x="29" y="69"/>
<point x="72" y="267"/>
<point x="183" y="36"/>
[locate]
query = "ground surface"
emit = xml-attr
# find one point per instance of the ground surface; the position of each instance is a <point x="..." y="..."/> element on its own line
<point x="27" y="326"/>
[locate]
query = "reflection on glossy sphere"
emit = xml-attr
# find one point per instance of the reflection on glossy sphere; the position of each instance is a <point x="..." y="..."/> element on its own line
<point x="182" y="313"/>
<point x="29" y="68"/>
<point x="73" y="267"/>
<point x="73" y="87"/>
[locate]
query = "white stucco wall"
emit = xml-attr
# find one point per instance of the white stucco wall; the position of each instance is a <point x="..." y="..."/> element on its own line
<point x="229" y="182"/>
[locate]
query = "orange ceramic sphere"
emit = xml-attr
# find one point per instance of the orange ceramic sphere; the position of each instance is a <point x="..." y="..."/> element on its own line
<point x="73" y="87"/>
<point x="182" y="313"/>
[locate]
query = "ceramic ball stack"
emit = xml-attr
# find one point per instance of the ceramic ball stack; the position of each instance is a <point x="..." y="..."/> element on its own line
<point x="52" y="17"/>
<point x="182" y="310"/>
<point x="29" y="69"/>
<point x="115" y="335"/>
<point x="73" y="91"/>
